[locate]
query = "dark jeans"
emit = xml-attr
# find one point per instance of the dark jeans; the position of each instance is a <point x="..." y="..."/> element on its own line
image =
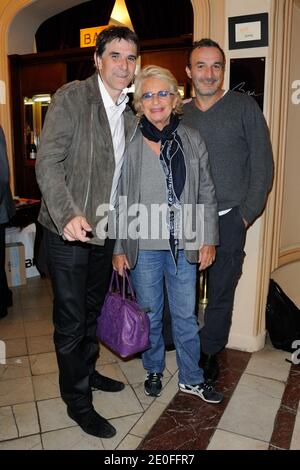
<point x="80" y="276"/>
<point x="3" y="280"/>
<point x="223" y="277"/>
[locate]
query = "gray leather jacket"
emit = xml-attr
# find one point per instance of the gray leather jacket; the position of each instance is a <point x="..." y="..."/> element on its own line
<point x="199" y="189"/>
<point x="75" y="162"/>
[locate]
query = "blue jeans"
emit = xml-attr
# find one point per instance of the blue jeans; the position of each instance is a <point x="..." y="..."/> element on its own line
<point x="148" y="281"/>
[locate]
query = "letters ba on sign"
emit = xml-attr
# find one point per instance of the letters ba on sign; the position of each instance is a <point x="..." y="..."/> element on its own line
<point x="88" y="36"/>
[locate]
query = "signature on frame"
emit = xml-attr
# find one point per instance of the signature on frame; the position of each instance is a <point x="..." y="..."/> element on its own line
<point x="241" y="89"/>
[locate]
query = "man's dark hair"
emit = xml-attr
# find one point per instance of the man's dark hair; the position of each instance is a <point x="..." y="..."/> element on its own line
<point x="115" y="32"/>
<point x="206" y="43"/>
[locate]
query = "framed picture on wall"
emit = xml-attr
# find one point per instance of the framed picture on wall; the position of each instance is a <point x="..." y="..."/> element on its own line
<point x="247" y="75"/>
<point x="248" y="31"/>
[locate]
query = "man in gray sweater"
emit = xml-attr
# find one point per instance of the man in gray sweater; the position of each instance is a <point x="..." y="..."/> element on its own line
<point x="240" y="154"/>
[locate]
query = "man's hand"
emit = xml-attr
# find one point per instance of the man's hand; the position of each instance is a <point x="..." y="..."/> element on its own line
<point x="207" y="254"/>
<point x="77" y="229"/>
<point x="120" y="263"/>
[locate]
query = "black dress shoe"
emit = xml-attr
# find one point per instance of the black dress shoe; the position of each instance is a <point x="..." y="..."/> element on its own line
<point x="211" y="368"/>
<point x="92" y="423"/>
<point x="100" y="382"/>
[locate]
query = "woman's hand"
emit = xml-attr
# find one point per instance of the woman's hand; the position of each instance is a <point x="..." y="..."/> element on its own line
<point x="207" y="254"/>
<point x="120" y="263"/>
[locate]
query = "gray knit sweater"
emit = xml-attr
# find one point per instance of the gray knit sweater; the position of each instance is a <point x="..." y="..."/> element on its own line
<point x="239" y="150"/>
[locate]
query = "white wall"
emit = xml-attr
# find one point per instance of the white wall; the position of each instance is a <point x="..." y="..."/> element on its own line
<point x="243" y="331"/>
<point x="290" y="228"/>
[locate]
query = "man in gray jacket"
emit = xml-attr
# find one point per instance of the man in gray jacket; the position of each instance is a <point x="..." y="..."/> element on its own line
<point x="240" y="155"/>
<point x="7" y="210"/>
<point x="78" y="168"/>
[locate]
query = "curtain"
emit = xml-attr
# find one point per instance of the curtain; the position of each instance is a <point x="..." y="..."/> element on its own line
<point x="62" y="31"/>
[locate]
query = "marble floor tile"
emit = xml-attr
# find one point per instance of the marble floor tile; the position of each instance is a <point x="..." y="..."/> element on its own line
<point x="12" y="330"/>
<point x="24" y="443"/>
<point x="269" y="363"/>
<point x="36" y="297"/>
<point x="15" y="367"/>
<point x="133" y="369"/>
<point x="15" y="391"/>
<point x="129" y="442"/>
<point x="38" y="328"/>
<point x="46" y="386"/>
<point x="187" y="423"/>
<point x="291" y="396"/>
<point x="53" y="415"/>
<point x="37" y="314"/>
<point x="147" y="420"/>
<point x="223" y="440"/>
<point x="36" y="281"/>
<point x="227" y="381"/>
<point x="72" y="438"/>
<point x="231" y="359"/>
<point x="40" y="344"/>
<point x="8" y="428"/>
<point x="295" y="444"/>
<point x="26" y="419"/>
<point x="253" y="407"/>
<point x="283" y="428"/>
<point x="123" y="427"/>
<point x="144" y="399"/>
<point x="15" y="314"/>
<point x="45" y="363"/>
<point x="118" y="404"/>
<point x="15" y="347"/>
<point x="271" y="388"/>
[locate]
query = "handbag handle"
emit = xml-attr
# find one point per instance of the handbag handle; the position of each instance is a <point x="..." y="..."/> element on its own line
<point x="126" y="278"/>
<point x="114" y="277"/>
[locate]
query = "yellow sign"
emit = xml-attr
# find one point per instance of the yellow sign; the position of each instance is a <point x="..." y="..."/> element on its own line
<point x="88" y="36"/>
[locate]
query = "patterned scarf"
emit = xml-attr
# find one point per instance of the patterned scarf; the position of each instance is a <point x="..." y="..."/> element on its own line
<point x="173" y="164"/>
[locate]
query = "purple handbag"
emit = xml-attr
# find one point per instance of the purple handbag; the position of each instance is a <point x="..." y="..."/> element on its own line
<point x="122" y="324"/>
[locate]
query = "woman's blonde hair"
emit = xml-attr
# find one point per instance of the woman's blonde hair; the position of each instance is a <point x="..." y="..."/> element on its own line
<point x="154" y="71"/>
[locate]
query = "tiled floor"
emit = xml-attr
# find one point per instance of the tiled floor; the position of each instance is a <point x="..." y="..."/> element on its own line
<point x="260" y="411"/>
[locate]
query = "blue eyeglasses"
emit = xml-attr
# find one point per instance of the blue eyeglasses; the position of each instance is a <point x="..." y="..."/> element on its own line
<point x="160" y="94"/>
